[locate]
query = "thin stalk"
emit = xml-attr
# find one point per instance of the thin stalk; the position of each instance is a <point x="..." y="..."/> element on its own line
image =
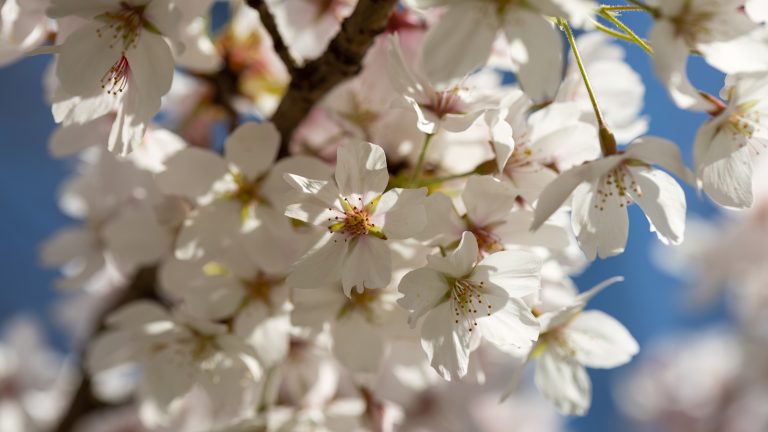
<point x="614" y="33"/>
<point x="621" y="8"/>
<point x="420" y="163"/>
<point x="635" y="38"/>
<point x="572" y="41"/>
<point x="607" y="140"/>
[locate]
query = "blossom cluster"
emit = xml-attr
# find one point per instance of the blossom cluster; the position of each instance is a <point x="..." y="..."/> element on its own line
<point x="403" y="254"/>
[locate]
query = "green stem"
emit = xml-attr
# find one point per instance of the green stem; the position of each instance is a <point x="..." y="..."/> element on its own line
<point x="613" y="33"/>
<point x="607" y="140"/>
<point x="572" y="41"/>
<point x="635" y="38"/>
<point x="621" y="8"/>
<point x="420" y="163"/>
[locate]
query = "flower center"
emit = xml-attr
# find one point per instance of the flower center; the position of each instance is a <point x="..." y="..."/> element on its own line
<point x="445" y="102"/>
<point x="468" y="303"/>
<point x="618" y="182"/>
<point x="692" y="25"/>
<point x="487" y="241"/>
<point x="744" y="122"/>
<point x="362" y="302"/>
<point x="260" y="288"/>
<point x="355" y="220"/>
<point x="123" y="26"/>
<point x="116" y="79"/>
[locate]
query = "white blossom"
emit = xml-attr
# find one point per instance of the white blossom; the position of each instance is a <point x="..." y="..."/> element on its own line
<point x="464" y="301"/>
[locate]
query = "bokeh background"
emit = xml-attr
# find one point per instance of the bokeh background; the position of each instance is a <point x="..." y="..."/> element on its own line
<point x="650" y="303"/>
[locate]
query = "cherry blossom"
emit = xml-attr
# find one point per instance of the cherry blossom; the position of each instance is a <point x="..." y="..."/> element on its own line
<point x="360" y="217"/>
<point x="130" y="65"/>
<point x="176" y="352"/>
<point x="603" y="189"/>
<point x="727" y="144"/>
<point x="571" y="339"/>
<point x="464" y="301"/>
<point x="714" y="28"/>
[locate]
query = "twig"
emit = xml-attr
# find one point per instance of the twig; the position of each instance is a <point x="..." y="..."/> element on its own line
<point x="340" y="61"/>
<point x="84" y="402"/>
<point x="268" y="20"/>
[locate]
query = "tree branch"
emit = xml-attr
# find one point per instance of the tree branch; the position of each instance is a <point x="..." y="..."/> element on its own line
<point x="268" y="20"/>
<point x="84" y="401"/>
<point x="342" y="60"/>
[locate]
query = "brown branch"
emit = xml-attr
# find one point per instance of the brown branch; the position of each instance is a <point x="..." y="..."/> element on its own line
<point x="342" y="60"/>
<point x="268" y="20"/>
<point x="84" y="402"/>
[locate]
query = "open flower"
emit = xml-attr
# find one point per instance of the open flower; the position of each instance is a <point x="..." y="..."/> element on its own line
<point x="128" y="64"/>
<point x="491" y="216"/>
<point x="464" y="301"/>
<point x="572" y="339"/>
<point x="727" y="145"/>
<point x="448" y="108"/>
<point x="360" y="218"/>
<point x="603" y="189"/>
<point x="235" y="193"/>
<point x="177" y="353"/>
<point x="528" y="147"/>
<point x="462" y="40"/>
<point x="718" y="29"/>
<point x="23" y="27"/>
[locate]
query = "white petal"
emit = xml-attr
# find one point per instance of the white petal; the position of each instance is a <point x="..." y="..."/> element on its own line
<point x="136" y="238"/>
<point x="191" y="172"/>
<point x="460" y="43"/>
<point x="745" y="54"/>
<point x="361" y="168"/>
<point x="513" y="328"/>
<point x="540" y="72"/>
<point x="599" y="341"/>
<point x="269" y="335"/>
<point x="663" y="202"/>
<point x="728" y="181"/>
<point x="368" y="265"/>
<point x="405" y="213"/>
<point x="324" y="191"/>
<point x="515" y="232"/>
<point x="68" y="244"/>
<point x="357" y="344"/>
<point x="556" y="193"/>
<point x="446" y="344"/>
<point x="564" y="382"/>
<point x="461" y="261"/>
<point x="516" y="272"/>
<point x="168" y="377"/>
<point x="670" y="59"/>
<point x="600" y="226"/>
<point x="422" y="289"/>
<point x="502" y="139"/>
<point x="757" y="10"/>
<point x="252" y="148"/>
<point x="487" y="200"/>
<point x="84" y="47"/>
<point x="81" y="8"/>
<point x="662" y="152"/>
<point x="151" y="64"/>
<point x="321" y="266"/>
